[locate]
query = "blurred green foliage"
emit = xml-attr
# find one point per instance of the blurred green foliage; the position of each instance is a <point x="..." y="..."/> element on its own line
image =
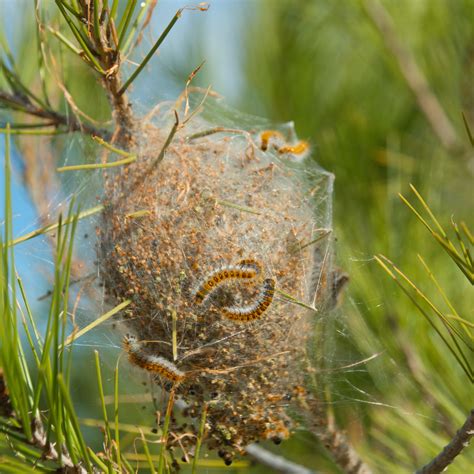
<point x="326" y="66"/>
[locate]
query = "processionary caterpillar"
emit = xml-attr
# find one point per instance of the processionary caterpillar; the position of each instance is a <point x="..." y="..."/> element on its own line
<point x="265" y="137"/>
<point x="246" y="270"/>
<point x="252" y="312"/>
<point x="156" y="364"/>
<point x="299" y="148"/>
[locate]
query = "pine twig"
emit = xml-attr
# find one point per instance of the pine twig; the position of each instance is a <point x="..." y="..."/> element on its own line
<point x="452" y="449"/>
<point x="23" y="104"/>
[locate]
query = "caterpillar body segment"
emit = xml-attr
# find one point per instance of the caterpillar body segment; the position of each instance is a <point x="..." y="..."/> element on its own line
<point x="246" y="270"/>
<point x="155" y="364"/>
<point x="255" y="265"/>
<point x="255" y="311"/>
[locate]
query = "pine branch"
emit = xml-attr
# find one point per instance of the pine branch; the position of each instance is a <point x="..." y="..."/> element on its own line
<point x="56" y="119"/>
<point x="456" y="445"/>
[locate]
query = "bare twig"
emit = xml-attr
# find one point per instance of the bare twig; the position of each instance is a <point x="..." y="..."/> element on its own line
<point x="456" y="445"/>
<point x="23" y="104"/>
<point x="169" y="139"/>
<point x="275" y="462"/>
<point x="414" y="77"/>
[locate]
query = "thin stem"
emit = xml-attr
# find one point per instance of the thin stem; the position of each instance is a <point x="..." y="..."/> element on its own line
<point x="150" y="53"/>
<point x="76" y="335"/>
<point x="222" y="202"/>
<point x="65" y="41"/>
<point x="450" y="451"/>
<point x="126" y="18"/>
<point x="88" y="53"/>
<point x="107" y="433"/>
<point x="72" y="124"/>
<point x="41" y="132"/>
<point x="110" y="147"/>
<point x="172" y="133"/>
<point x="52" y="227"/>
<point x="96" y="21"/>
<point x="166" y="425"/>
<point x="95" y="166"/>
<point x="200" y="437"/>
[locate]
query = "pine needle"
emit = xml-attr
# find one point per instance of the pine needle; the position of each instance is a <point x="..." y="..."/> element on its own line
<point x="76" y="335"/>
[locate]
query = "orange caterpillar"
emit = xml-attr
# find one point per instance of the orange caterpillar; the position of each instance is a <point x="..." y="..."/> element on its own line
<point x="156" y="364"/>
<point x="299" y="148"/>
<point x="265" y="137"/>
<point x="246" y="270"/>
<point x="251" y="313"/>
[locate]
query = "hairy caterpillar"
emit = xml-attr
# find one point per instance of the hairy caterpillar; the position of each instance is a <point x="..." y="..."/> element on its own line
<point x="246" y="270"/>
<point x="156" y="364"/>
<point x="254" y="311"/>
<point x="265" y="137"/>
<point x="298" y="149"/>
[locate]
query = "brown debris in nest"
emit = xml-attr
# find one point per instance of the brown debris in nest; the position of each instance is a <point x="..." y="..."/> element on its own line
<point x="211" y="204"/>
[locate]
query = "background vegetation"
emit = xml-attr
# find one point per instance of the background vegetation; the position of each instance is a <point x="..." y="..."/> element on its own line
<point x="379" y="93"/>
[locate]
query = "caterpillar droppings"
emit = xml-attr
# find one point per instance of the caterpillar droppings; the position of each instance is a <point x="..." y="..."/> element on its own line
<point x="246" y="270"/>
<point x="156" y="364"/>
<point x="252" y="312"/>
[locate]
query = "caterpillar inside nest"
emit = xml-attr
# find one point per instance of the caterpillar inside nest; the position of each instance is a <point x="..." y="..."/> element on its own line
<point x="227" y="233"/>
